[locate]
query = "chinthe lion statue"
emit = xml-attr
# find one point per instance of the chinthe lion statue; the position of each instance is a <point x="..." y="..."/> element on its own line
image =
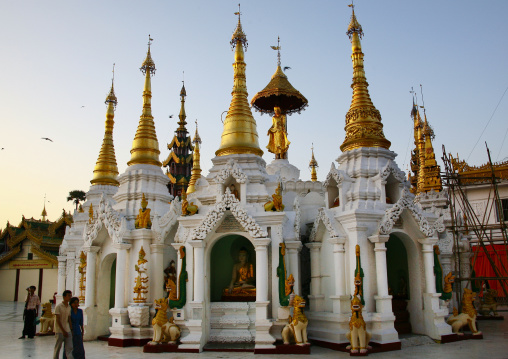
<point x="164" y="330"/>
<point x="295" y="332"/>
<point x="489" y="303"/>
<point x="358" y="335"/>
<point x="47" y="319"/>
<point x="468" y="315"/>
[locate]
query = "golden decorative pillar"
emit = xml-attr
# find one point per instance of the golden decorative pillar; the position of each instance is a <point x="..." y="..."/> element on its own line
<point x="145" y="147"/>
<point x="141" y="280"/>
<point x="90" y="214"/>
<point x="363" y="120"/>
<point x="143" y="217"/>
<point x="239" y="134"/>
<point x="106" y="169"/>
<point x="313" y="165"/>
<point x="196" y="168"/>
<point x="82" y="277"/>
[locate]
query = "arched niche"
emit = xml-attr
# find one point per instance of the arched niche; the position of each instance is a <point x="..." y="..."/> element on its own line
<point x="105" y="293"/>
<point x="332" y="191"/>
<point x="392" y="189"/>
<point x="223" y="257"/>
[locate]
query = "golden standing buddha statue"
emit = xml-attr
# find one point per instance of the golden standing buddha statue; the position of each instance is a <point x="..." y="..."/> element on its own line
<point x="278" y="141"/>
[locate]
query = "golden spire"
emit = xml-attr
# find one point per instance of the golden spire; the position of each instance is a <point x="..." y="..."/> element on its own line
<point x="196" y="168"/>
<point x="145" y="147"/>
<point x="106" y="170"/>
<point x="363" y="120"/>
<point x="182" y="116"/>
<point x="44" y="214"/>
<point x="313" y="165"/>
<point x="90" y="214"/>
<point x="239" y="134"/>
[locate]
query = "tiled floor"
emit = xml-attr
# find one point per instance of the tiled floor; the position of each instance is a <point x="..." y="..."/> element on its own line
<point x="494" y="346"/>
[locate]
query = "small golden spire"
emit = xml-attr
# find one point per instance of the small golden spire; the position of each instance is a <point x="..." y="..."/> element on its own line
<point x="182" y="116"/>
<point x="196" y="168"/>
<point x="313" y="165"/>
<point x="44" y="214"/>
<point x="239" y="134"/>
<point x="145" y="147"/>
<point x="363" y="120"/>
<point x="106" y="169"/>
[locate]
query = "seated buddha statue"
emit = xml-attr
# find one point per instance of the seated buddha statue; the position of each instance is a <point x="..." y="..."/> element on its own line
<point x="276" y="203"/>
<point x="243" y="280"/>
<point x="143" y="218"/>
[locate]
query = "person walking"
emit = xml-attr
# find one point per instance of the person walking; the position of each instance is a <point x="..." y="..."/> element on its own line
<point x="78" y="350"/>
<point x="63" y="326"/>
<point x="31" y="312"/>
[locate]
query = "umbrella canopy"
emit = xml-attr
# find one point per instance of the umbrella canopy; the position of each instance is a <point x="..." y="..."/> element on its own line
<point x="279" y="93"/>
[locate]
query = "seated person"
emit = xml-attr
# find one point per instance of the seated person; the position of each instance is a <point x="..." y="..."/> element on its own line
<point x="243" y="280"/>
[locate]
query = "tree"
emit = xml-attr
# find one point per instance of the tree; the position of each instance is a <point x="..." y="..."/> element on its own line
<point x="76" y="196"/>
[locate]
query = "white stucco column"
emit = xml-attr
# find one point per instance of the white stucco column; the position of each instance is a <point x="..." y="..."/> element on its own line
<point x="315" y="297"/>
<point x="70" y="284"/>
<point x="293" y="251"/>
<point x="62" y="270"/>
<point x="339" y="271"/>
<point x="121" y="261"/>
<point x="157" y="270"/>
<point x="383" y="300"/>
<point x="199" y="270"/>
<point x="263" y="340"/>
<point x="428" y="263"/>
<point x="91" y="260"/>
<point x="261" y="246"/>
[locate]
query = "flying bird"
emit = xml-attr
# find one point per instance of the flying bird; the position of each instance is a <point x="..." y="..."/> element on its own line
<point x="82" y="106"/>
<point x="47" y="139"/>
<point x="3" y="148"/>
<point x="170" y="116"/>
<point x="287" y="68"/>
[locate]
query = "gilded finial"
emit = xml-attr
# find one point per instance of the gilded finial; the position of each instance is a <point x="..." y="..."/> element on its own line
<point x="182" y="115"/>
<point x="278" y="50"/>
<point x="44" y="213"/>
<point x="106" y="169"/>
<point x="144" y="202"/>
<point x="145" y="147"/>
<point x="239" y="36"/>
<point x="363" y="120"/>
<point x="313" y="165"/>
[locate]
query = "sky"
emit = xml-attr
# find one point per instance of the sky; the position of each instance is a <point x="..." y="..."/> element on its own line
<point x="57" y="58"/>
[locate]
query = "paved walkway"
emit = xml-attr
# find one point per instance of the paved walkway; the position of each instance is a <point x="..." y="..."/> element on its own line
<point x="494" y="346"/>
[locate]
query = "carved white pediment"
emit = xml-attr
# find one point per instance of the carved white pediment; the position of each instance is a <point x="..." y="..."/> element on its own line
<point x="231" y="169"/>
<point x="114" y="222"/>
<point x="162" y="225"/>
<point x="325" y="218"/>
<point x="393" y="214"/>
<point x="392" y="168"/>
<point x="338" y="175"/>
<point x="212" y="218"/>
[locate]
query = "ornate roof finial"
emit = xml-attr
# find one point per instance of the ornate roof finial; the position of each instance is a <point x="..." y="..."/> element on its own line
<point x="106" y="169"/>
<point x="313" y="165"/>
<point x="239" y="36"/>
<point x="363" y="120"/>
<point x="196" y="167"/>
<point x="145" y="147"/>
<point x="239" y="135"/>
<point x="44" y="214"/>
<point x="278" y="50"/>
<point x="182" y="115"/>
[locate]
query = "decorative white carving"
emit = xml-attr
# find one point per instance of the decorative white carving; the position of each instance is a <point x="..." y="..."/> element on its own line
<point x="139" y="315"/>
<point x="228" y="201"/>
<point x="231" y="169"/>
<point x="391" y="167"/>
<point x="181" y="234"/>
<point x="324" y="217"/>
<point x="392" y="214"/>
<point x="162" y="225"/>
<point x="62" y="268"/>
<point x="114" y="222"/>
<point x="298" y="215"/>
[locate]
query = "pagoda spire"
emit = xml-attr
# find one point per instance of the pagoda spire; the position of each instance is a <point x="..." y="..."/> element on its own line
<point x="239" y="134"/>
<point x="106" y="169"/>
<point x="196" y="168"/>
<point x="145" y="147"/>
<point x="182" y="116"/>
<point x="44" y="214"/>
<point x="313" y="165"/>
<point x="363" y="120"/>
